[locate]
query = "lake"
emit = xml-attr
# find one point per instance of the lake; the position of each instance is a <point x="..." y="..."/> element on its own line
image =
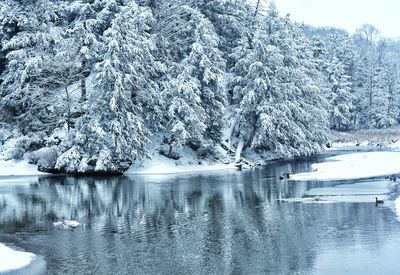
<point x="225" y="222"/>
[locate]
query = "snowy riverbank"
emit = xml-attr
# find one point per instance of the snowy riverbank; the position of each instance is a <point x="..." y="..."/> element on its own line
<point x="158" y="164"/>
<point x="18" y="168"/>
<point x="353" y="166"/>
<point x="18" y="262"/>
<point x="161" y="165"/>
<point x="356" y="166"/>
<point x="381" y="138"/>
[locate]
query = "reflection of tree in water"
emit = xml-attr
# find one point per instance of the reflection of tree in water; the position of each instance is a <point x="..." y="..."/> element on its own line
<point x="212" y="223"/>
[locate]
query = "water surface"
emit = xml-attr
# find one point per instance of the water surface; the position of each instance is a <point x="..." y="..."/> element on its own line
<point x="225" y="222"/>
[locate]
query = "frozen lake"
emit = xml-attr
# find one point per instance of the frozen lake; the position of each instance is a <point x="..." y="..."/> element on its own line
<point x="224" y="222"/>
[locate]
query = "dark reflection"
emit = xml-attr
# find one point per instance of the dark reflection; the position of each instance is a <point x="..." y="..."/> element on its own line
<point x="212" y="223"/>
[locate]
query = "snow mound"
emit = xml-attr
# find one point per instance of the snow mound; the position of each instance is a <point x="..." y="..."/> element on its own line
<point x="18" y="168"/>
<point x="11" y="260"/>
<point x="395" y="145"/>
<point x="353" y="166"/>
<point x="339" y="145"/>
<point x="162" y="165"/>
<point x="67" y="224"/>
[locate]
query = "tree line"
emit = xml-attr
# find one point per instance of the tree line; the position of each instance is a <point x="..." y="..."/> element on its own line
<point x="92" y="85"/>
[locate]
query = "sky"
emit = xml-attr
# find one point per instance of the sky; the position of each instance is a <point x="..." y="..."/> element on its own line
<point x="345" y="14"/>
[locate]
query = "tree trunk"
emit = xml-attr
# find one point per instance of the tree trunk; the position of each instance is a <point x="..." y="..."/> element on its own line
<point x="83" y="85"/>
<point x="68" y="108"/>
<point x="230" y="131"/>
<point x="83" y="89"/>
<point x="239" y="151"/>
<point x="170" y="151"/>
<point x="257" y="8"/>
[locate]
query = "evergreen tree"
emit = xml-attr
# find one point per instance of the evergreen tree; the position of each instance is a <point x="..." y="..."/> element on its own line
<point x="113" y="133"/>
<point x="340" y="97"/>
<point x="196" y="89"/>
<point x="274" y="91"/>
<point x="29" y="33"/>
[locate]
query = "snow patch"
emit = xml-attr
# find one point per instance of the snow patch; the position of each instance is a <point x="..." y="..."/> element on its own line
<point x="18" y="168"/>
<point x="66" y="224"/>
<point x="397" y="207"/>
<point x="372" y="188"/>
<point x="360" y="192"/>
<point x="11" y="260"/>
<point x="395" y="145"/>
<point x="166" y="166"/>
<point x="72" y="224"/>
<point x="353" y="166"/>
<point x="340" y="145"/>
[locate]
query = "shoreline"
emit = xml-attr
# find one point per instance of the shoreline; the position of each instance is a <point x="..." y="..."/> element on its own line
<point x="162" y="166"/>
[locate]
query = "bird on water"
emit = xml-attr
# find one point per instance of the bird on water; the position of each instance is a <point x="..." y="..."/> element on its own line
<point x="378" y="201"/>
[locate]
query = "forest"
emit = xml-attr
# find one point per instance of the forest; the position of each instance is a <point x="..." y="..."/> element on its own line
<point x="90" y="86"/>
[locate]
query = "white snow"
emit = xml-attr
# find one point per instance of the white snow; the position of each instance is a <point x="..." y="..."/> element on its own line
<point x="57" y="223"/>
<point x="360" y="192"/>
<point x="347" y="167"/>
<point x="397" y="207"/>
<point x="395" y="145"/>
<point x="18" y="168"/>
<point x="353" y="166"/>
<point x="360" y="188"/>
<point x="162" y="165"/>
<point x="357" y="192"/>
<point x="67" y="224"/>
<point x="239" y="149"/>
<point x="11" y="260"/>
<point x="156" y="168"/>
<point x="338" y="145"/>
<point x="72" y="224"/>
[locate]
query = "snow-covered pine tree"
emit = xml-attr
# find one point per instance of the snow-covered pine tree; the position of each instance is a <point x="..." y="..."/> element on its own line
<point x="232" y="20"/>
<point x="30" y="34"/>
<point x="113" y="133"/>
<point x="391" y="58"/>
<point x="279" y="107"/>
<point x="80" y="40"/>
<point x="196" y="84"/>
<point x="340" y="97"/>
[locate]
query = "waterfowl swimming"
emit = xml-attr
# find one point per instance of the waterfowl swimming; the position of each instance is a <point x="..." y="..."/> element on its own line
<point x="378" y="201"/>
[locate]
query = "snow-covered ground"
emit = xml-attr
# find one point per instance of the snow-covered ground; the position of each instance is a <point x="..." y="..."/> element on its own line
<point x="162" y="165"/>
<point x="11" y="260"/>
<point x="18" y="168"/>
<point x="381" y="138"/>
<point x="353" y="166"/>
<point x="347" y="145"/>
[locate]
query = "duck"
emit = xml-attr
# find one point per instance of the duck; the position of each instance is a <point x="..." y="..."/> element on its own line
<point x="285" y="175"/>
<point x="377" y="202"/>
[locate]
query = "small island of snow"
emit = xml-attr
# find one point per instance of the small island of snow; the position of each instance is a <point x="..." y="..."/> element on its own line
<point x="353" y="166"/>
<point x="11" y="260"/>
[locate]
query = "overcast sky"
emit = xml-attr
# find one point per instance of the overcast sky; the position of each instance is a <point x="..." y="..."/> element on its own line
<point x="346" y="14"/>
